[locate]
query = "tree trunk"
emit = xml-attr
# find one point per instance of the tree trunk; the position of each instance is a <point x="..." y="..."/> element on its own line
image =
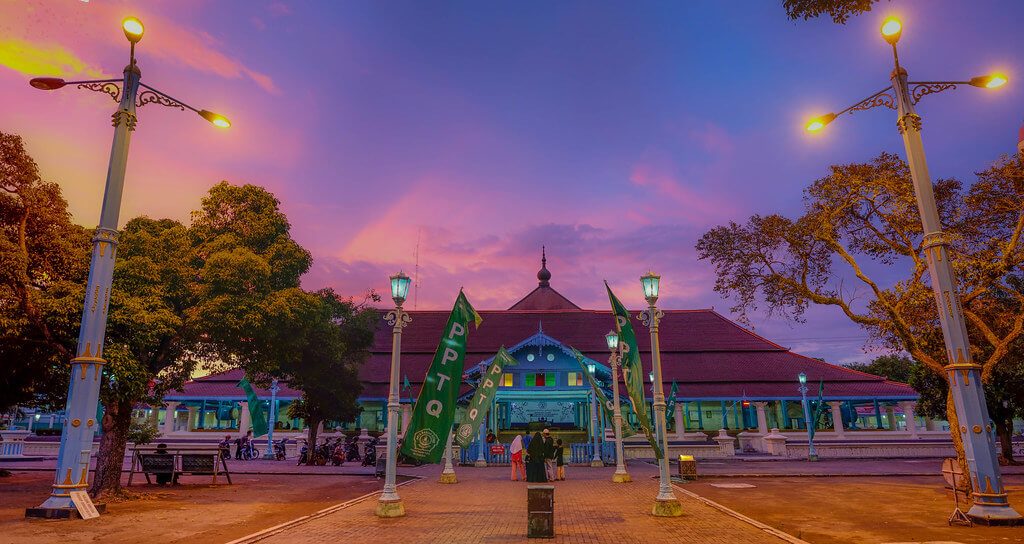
<point x="1004" y="430"/>
<point x="117" y="419"/>
<point x="312" y="424"/>
<point x="958" y="443"/>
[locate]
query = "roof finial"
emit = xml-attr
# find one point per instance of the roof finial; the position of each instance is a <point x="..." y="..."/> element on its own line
<point x="543" y="275"/>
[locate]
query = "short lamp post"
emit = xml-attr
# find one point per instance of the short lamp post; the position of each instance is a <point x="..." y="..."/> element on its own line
<point x="269" y="454"/>
<point x="620" y="475"/>
<point x="990" y="504"/>
<point x="812" y="454"/>
<point x="87" y="365"/>
<point x="390" y="504"/>
<point x="666" y="504"/>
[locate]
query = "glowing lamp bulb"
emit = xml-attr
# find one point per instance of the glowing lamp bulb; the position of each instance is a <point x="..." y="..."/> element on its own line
<point x="891" y="29"/>
<point x="818" y="123"/>
<point x="133" y="29"/>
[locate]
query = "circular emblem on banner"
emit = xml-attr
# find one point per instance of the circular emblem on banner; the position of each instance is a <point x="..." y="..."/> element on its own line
<point x="424" y="441"/>
<point x="465" y="430"/>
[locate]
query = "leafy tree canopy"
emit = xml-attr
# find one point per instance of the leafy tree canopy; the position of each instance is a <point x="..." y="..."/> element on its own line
<point x="838" y="10"/>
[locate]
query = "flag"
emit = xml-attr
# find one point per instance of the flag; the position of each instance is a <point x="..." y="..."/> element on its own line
<point x="434" y="412"/>
<point x="632" y="369"/>
<point x="259" y="423"/>
<point x="406" y="386"/>
<point x="602" y="399"/>
<point x="670" y="407"/>
<point x="477" y="409"/>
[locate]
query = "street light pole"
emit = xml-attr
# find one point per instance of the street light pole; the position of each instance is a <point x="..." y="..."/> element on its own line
<point x="390" y="504"/>
<point x="990" y="504"/>
<point x="595" y="460"/>
<point x="666" y="504"/>
<point x="620" y="475"/>
<point x="269" y="454"/>
<point x="812" y="454"/>
<point x="87" y="365"/>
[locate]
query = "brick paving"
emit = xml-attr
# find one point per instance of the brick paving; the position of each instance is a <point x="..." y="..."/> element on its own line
<point x="485" y="507"/>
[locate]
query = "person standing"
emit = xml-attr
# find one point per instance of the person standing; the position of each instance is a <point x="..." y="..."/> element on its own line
<point x="535" y="460"/>
<point x="550" y="468"/>
<point x="516" y="455"/>
<point x="559" y="459"/>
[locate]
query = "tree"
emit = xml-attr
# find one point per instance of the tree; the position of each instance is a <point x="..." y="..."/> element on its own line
<point x="838" y="10"/>
<point x="867" y="213"/>
<point x="891" y="367"/>
<point x="328" y="340"/>
<point x="211" y="294"/>
<point x="43" y="265"/>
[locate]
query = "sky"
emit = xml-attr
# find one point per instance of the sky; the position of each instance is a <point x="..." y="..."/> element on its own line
<point x="613" y="133"/>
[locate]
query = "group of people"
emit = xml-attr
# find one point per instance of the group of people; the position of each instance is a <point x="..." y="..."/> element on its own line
<point x="540" y="458"/>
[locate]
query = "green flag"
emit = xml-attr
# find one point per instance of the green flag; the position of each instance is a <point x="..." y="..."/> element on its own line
<point x="259" y="423"/>
<point x="406" y="386"/>
<point x="602" y="399"/>
<point x="632" y="369"/>
<point x="481" y="402"/>
<point x="434" y="412"/>
<point x="670" y="406"/>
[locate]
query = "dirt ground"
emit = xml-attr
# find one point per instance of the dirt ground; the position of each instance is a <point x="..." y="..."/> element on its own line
<point x="858" y="510"/>
<point x="195" y="512"/>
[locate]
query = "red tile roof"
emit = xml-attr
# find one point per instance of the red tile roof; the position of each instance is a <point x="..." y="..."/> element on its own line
<point x="544" y="298"/>
<point x="224" y="385"/>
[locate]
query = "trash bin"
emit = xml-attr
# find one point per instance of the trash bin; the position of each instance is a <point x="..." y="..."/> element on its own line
<point x="540" y="511"/>
<point x="687" y="467"/>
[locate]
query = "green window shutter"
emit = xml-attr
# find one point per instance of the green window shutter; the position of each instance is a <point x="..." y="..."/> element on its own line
<point x="549" y="379"/>
<point x="530" y="380"/>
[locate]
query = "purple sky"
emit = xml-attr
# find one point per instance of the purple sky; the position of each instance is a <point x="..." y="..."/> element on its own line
<point x="613" y="133"/>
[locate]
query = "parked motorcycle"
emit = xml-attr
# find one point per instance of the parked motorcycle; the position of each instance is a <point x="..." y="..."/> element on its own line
<point x="338" y="454"/>
<point x="303" y="454"/>
<point x="370" y="453"/>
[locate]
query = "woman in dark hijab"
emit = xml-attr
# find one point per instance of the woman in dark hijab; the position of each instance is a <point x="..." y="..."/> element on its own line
<point x="535" y="460"/>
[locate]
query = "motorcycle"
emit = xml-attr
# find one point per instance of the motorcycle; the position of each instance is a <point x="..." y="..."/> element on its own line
<point x="352" y="451"/>
<point x="338" y="455"/>
<point x="370" y="453"/>
<point x="303" y="455"/>
<point x="279" y="450"/>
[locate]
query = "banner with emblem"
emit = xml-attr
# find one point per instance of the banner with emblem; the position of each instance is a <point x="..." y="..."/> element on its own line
<point x="481" y="402"/>
<point x="632" y="370"/>
<point x="434" y="411"/>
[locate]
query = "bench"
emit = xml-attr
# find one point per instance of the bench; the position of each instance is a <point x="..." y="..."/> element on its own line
<point x="194" y="460"/>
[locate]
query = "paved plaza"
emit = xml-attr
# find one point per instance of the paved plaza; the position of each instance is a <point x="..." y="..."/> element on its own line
<point x="486" y="507"/>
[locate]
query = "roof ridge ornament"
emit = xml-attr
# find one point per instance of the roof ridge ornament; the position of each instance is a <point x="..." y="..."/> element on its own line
<point x="543" y="275"/>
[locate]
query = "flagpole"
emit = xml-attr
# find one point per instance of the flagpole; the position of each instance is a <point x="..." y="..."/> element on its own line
<point x="595" y="461"/>
<point x="615" y="347"/>
<point x="448" y="474"/>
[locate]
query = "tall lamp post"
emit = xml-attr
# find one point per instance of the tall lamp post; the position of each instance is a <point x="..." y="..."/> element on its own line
<point x="595" y="460"/>
<point x="990" y="499"/>
<point x="620" y="475"/>
<point x="87" y="366"/>
<point x="390" y="504"/>
<point x="269" y="454"/>
<point x="812" y="454"/>
<point x="666" y="504"/>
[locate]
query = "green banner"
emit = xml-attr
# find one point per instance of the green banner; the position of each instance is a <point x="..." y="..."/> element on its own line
<point x="632" y="369"/>
<point x="477" y="410"/>
<point x="602" y="399"/>
<point x="670" y="406"/>
<point x="259" y="423"/>
<point x="434" y="412"/>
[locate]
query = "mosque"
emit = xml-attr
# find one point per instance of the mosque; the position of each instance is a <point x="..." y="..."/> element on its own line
<point x="728" y="377"/>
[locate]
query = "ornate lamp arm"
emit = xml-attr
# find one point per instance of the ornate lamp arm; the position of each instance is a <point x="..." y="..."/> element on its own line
<point x="154" y="96"/>
<point x="881" y="98"/>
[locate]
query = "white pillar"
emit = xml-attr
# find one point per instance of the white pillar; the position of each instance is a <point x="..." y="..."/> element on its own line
<point x="192" y="422"/>
<point x="890" y="414"/>
<point x="169" y="413"/>
<point x="243" y="418"/>
<point x="762" y="419"/>
<point x="908" y="414"/>
<point x="837" y="417"/>
<point x="680" y="422"/>
<point x="406" y="415"/>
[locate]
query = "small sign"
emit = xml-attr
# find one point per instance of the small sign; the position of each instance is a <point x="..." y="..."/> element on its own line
<point x="497" y="449"/>
<point x="84" y="505"/>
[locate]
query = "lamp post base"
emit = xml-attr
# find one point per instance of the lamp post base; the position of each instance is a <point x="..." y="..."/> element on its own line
<point x="812" y="457"/>
<point x="42" y="512"/>
<point x="448" y="478"/>
<point x="597" y="463"/>
<point x="480" y="463"/>
<point x="985" y="514"/>
<point x="390" y="509"/>
<point x="669" y="508"/>
<point x="621" y="477"/>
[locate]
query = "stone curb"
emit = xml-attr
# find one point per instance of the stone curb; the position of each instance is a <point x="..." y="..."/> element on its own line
<point x="279" y="528"/>
<point x="728" y="511"/>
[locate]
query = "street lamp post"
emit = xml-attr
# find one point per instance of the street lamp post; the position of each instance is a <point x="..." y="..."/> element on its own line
<point x="812" y="454"/>
<point x="87" y="365"/>
<point x="620" y="475"/>
<point x="390" y="504"/>
<point x="991" y="504"/>
<point x="666" y="504"/>
<point x="595" y="460"/>
<point x="269" y="454"/>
